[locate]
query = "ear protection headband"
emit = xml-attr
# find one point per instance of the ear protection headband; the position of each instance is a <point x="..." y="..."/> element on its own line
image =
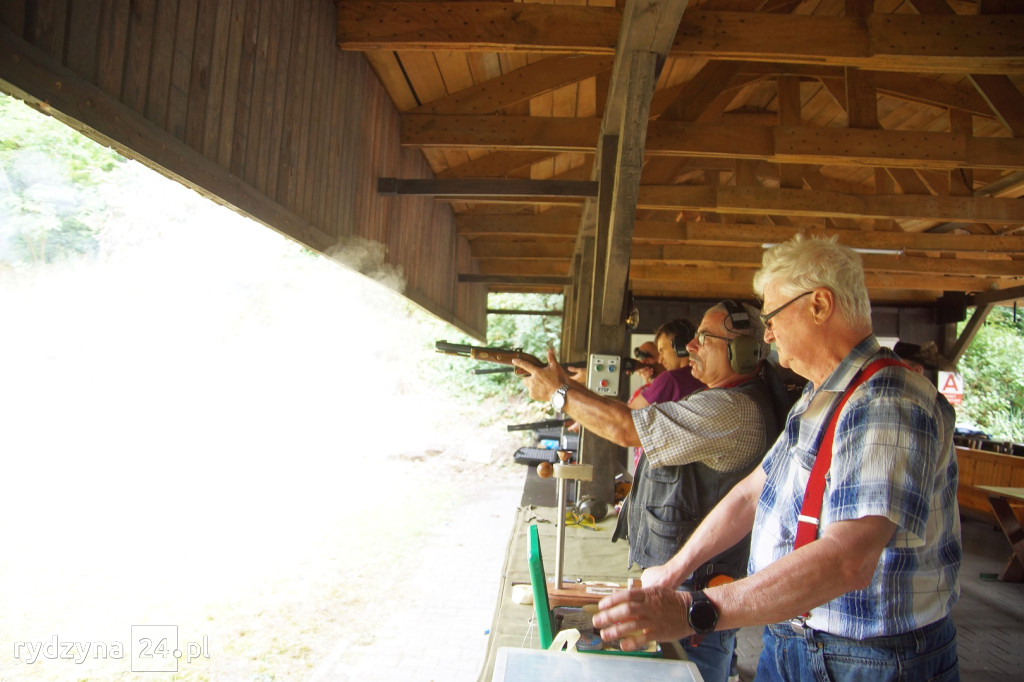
<point x="683" y="332"/>
<point x="744" y="350"/>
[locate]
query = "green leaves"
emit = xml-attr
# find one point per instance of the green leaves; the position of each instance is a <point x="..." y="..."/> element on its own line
<point x="993" y="380"/>
<point x="49" y="174"/>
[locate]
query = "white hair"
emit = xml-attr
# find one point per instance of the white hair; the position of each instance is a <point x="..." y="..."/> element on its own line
<point x="805" y="263"/>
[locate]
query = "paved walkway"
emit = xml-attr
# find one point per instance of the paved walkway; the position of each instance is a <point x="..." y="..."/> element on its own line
<point x="443" y="612"/>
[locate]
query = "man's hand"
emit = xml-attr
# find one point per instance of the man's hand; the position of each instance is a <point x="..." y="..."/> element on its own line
<point x="578" y="374"/>
<point x="543" y="381"/>
<point x="638" y="617"/>
<point x="660" y="576"/>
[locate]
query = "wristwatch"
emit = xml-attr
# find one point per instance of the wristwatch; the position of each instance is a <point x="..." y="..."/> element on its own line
<point x="558" y="397"/>
<point x="703" y="616"/>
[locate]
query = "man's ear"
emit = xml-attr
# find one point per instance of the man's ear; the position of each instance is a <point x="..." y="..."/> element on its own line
<point x="823" y="304"/>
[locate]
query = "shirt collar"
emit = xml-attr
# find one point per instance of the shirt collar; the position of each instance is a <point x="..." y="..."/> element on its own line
<point x="842" y="375"/>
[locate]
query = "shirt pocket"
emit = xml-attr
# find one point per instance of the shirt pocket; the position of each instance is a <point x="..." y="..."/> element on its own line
<point x="669" y="528"/>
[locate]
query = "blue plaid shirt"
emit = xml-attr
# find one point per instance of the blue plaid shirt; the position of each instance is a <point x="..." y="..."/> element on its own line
<point x="893" y="456"/>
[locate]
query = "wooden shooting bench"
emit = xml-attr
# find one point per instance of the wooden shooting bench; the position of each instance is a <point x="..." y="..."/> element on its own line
<point x="589" y="554"/>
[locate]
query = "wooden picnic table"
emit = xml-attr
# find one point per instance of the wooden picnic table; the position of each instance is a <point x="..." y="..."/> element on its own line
<point x="1000" y="498"/>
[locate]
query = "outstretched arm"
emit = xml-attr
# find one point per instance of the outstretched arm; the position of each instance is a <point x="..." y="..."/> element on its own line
<point x="607" y="418"/>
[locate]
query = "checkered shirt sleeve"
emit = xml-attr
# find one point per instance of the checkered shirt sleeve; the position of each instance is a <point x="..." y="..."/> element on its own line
<point x="720" y="427"/>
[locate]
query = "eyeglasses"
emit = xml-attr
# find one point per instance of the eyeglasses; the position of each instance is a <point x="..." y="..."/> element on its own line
<point x="701" y="336"/>
<point x="767" y="317"/>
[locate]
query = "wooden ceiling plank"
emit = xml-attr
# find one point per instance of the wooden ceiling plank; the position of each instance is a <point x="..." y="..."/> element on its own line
<point x="519" y="85"/>
<point x="697" y="94"/>
<point x="524" y="132"/>
<point x="1004" y="98"/>
<point x="514" y="225"/>
<point x="542" y="280"/>
<point x="455" y="71"/>
<point x="495" y="164"/>
<point x="508" y="266"/>
<point x="908" y="180"/>
<point x="1009" y="185"/>
<point x="389" y="73"/>
<point x="933" y="92"/>
<point x="485" y="187"/>
<point x="423" y="74"/>
<point x="546" y="249"/>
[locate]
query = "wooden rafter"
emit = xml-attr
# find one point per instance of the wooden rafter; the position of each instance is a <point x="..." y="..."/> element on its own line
<point x="890" y="42"/>
<point x="780" y="144"/>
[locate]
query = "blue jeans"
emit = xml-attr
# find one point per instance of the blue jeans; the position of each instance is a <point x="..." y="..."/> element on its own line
<point x="713" y="656"/>
<point x="928" y="653"/>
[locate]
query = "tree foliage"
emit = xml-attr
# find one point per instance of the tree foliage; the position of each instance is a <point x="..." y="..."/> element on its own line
<point x="49" y="204"/>
<point x="993" y="380"/>
<point x="534" y="334"/>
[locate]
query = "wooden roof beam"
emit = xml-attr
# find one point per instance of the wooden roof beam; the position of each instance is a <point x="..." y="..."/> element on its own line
<point x="745" y="276"/>
<point x="762" y="200"/>
<point x="780" y="144"/>
<point x="905" y="86"/>
<point x="998" y="90"/>
<point x="751" y="256"/>
<point x="742" y="200"/>
<point x="884" y="42"/>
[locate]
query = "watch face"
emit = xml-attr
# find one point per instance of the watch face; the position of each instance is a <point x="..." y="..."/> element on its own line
<point x="558" y="399"/>
<point x="703" y="616"/>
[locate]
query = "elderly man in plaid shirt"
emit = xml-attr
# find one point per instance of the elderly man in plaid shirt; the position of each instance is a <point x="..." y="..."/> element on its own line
<point x="853" y="566"/>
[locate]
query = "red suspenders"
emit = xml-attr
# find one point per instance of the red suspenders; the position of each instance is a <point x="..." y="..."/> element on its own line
<point x="810" y="512"/>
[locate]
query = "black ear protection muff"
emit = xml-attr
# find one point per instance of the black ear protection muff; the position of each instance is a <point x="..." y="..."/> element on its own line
<point x="683" y="333"/>
<point x="744" y="350"/>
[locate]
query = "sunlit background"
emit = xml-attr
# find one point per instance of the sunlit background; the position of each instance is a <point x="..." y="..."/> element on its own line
<point x="203" y="423"/>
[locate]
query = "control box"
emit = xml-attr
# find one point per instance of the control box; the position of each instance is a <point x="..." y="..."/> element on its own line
<point x="603" y="373"/>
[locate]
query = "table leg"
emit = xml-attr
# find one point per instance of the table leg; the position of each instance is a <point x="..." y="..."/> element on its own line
<point x="1014" y="571"/>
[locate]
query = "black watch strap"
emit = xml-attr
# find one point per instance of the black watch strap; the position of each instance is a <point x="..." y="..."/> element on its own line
<point x="703" y="615"/>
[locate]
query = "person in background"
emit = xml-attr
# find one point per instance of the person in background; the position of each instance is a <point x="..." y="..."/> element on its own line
<point x="864" y="585"/>
<point x="648" y="367"/>
<point x="677" y="381"/>
<point x="922" y="357"/>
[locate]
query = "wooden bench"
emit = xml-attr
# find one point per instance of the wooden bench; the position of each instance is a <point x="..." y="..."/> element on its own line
<point x="983" y="468"/>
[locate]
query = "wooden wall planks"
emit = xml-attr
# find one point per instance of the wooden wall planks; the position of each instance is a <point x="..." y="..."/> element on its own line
<point x="259" y="88"/>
